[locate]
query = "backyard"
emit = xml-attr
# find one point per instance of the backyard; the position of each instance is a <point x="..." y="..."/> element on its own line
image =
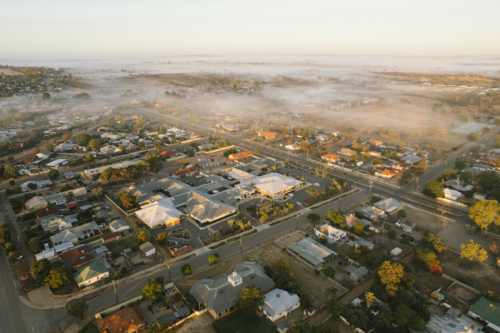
<point x="319" y="289"/>
<point x="245" y="323"/>
<point x="122" y="244"/>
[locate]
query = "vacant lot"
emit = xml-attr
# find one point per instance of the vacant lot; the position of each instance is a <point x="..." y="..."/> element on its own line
<point x="245" y="323"/>
<point x="427" y="221"/>
<point x="319" y="289"/>
<point x="200" y="324"/>
<point x="123" y="244"/>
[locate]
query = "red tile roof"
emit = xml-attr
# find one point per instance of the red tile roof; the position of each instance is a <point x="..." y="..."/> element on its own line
<point x="243" y="154"/>
<point x="78" y="256"/>
<point x="184" y="171"/>
<point x="113" y="235"/>
<point x="267" y="135"/>
<point x="46" y="211"/>
<point x="122" y="321"/>
<point x="168" y="153"/>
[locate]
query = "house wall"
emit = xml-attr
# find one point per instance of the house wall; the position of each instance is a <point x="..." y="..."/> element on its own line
<point x="94" y="279"/>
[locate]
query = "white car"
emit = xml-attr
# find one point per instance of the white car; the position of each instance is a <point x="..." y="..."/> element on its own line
<point x="199" y="176"/>
<point x="290" y="195"/>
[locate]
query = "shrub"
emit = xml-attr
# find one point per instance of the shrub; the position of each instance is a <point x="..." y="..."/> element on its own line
<point x="391" y="234"/>
<point x="328" y="271"/>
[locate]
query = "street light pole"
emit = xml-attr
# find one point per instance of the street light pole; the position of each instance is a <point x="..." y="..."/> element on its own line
<point x="416" y="184"/>
<point x="116" y="295"/>
<point x="298" y="214"/>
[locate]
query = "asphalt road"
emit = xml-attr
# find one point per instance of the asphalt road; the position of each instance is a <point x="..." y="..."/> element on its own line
<point x="17" y="317"/>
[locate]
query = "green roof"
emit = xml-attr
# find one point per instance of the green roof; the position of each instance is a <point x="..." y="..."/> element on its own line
<point x="300" y="251"/>
<point x="146" y="247"/>
<point x="488" y="310"/>
<point x="87" y="272"/>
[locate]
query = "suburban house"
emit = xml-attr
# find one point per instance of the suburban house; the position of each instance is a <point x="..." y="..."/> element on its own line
<point x="91" y="273"/>
<point x="274" y="184"/>
<point x="389" y="205"/>
<point x="185" y="172"/>
<point x="400" y="166"/>
<point x="46" y="212"/>
<point x="347" y="152"/>
<point x="487" y="311"/>
<point x="452" y="194"/>
<point x="57" y="222"/>
<point x="292" y="146"/>
<point x="322" y="138"/>
<point x="356" y="271"/>
<point x="39" y="184"/>
<point x="112" y="237"/>
<point x="219" y="295"/>
<point x="110" y="149"/>
<point x="332" y="234"/>
<point x="267" y="135"/>
<point x="279" y="303"/>
<point x="35" y="203"/>
<point x="78" y="256"/>
<point x="89" y="173"/>
<point x="331" y="158"/>
<point x="118" y="225"/>
<point x="159" y="213"/>
<point x="486" y="160"/>
<point x="411" y="159"/>
<point x="76" y="234"/>
<point x="168" y="153"/>
<point x="312" y="251"/>
<point x="374" y="153"/>
<point x="386" y="174"/>
<point x="239" y="156"/>
<point x="459" y="185"/>
<point x="131" y="147"/>
<point x="360" y="242"/>
<point x="372" y="212"/>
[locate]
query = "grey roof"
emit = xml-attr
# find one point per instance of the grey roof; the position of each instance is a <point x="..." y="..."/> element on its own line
<point x="74" y="233"/>
<point x="312" y="251"/>
<point x="388" y="203"/>
<point x="220" y="294"/>
<point x="117" y="224"/>
<point x="363" y="242"/>
<point x="412" y="159"/>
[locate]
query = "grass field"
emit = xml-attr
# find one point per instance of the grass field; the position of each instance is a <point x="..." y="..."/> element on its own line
<point x="245" y="323"/>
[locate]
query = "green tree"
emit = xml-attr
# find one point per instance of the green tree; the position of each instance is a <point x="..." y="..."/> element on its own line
<point x="313" y="217"/>
<point x="434" y="189"/>
<point x="94" y="143"/>
<point x="472" y="253"/>
<point x="4" y="234"/>
<point x="77" y="308"/>
<point x="335" y="307"/>
<point x="304" y="146"/>
<point x="213" y="258"/>
<point x="417" y="323"/>
<point x="328" y="271"/>
<point x="420" y="167"/>
<point x="258" y="151"/>
<point x="402" y="315"/>
<point x="355" y="316"/>
<point x="459" y="164"/>
<point x="83" y="139"/>
<point x="160" y="328"/>
<point x="474" y="136"/>
<point x="483" y="213"/>
<point x="353" y="157"/>
<point x="39" y="271"/>
<point x="488" y="180"/>
<point x="48" y="147"/>
<point x="402" y="213"/>
<point x="162" y="238"/>
<point x="449" y="174"/>
<point x="34" y="245"/>
<point x="45" y="95"/>
<point x="58" y="278"/>
<point x="53" y="174"/>
<point x="157" y="145"/>
<point x="249" y="299"/>
<point x="9" y="171"/>
<point x="127" y="199"/>
<point x="377" y="160"/>
<point x="32" y="186"/>
<point x="153" y="289"/>
<point x="187" y="269"/>
<point x="391" y="234"/>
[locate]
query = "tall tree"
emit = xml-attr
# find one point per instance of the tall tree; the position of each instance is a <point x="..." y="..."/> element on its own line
<point x="483" y="213"/>
<point x="77" y="308"/>
<point x="472" y="253"/>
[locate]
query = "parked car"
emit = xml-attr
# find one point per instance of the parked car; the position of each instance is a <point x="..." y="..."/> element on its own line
<point x="306" y="199"/>
<point x="290" y="195"/>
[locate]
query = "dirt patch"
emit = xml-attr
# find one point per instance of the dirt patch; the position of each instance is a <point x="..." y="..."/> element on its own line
<point x="199" y="324"/>
<point x="292" y="238"/>
<point x="319" y="289"/>
<point x="213" y="273"/>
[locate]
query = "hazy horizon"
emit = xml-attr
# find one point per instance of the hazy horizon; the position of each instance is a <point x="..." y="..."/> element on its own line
<point x="67" y="30"/>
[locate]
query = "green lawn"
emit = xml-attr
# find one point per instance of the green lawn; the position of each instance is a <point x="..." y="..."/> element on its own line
<point x="122" y="244"/>
<point x="17" y="210"/>
<point x="245" y="323"/>
<point x="105" y="232"/>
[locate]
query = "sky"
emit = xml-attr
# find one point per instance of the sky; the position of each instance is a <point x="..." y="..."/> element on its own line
<point x="155" y="28"/>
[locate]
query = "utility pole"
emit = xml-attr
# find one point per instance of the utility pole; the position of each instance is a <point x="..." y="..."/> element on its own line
<point x="116" y="295"/>
<point x="371" y="184"/>
<point x="298" y="214"/>
<point x="416" y="184"/>
<point x="169" y="273"/>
